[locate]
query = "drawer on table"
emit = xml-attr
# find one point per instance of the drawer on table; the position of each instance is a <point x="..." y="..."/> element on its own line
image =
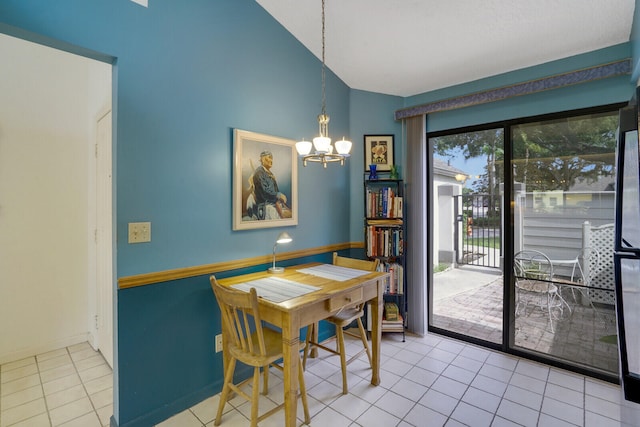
<point x="345" y="299"/>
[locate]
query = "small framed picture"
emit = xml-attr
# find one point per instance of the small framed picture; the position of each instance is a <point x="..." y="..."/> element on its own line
<point x="378" y="150"/>
<point x="265" y="181"/>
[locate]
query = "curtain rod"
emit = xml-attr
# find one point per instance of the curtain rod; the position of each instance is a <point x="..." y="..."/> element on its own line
<point x="598" y="72"/>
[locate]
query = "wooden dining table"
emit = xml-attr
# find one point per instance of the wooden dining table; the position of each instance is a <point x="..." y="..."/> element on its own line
<point x="329" y="295"/>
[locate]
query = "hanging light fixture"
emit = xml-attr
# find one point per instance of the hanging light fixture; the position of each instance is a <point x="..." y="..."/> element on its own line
<point x="323" y="151"/>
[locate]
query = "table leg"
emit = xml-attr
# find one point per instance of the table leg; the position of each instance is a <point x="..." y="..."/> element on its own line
<point x="314" y="338"/>
<point x="376" y="333"/>
<point x="291" y="358"/>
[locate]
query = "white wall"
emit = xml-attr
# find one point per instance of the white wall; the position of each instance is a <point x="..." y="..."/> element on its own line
<point x="47" y="126"/>
<point x="443" y="221"/>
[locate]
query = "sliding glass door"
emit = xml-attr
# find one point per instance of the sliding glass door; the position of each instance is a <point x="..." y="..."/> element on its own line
<point x="467" y="285"/>
<point x="522" y="219"/>
<point x="563" y="193"/>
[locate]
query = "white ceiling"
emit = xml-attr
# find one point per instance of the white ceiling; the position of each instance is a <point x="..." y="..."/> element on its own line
<point x="407" y="47"/>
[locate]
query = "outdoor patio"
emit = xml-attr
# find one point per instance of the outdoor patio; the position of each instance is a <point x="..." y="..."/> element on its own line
<point x="473" y="306"/>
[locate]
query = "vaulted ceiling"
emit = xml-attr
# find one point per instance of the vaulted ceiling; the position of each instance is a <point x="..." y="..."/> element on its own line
<point x="407" y="47"/>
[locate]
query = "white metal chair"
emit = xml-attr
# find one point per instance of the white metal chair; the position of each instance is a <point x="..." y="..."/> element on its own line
<point x="533" y="273"/>
<point x="584" y="277"/>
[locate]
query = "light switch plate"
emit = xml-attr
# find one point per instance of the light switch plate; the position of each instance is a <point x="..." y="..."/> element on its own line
<point x="139" y="232"/>
<point x="218" y="343"/>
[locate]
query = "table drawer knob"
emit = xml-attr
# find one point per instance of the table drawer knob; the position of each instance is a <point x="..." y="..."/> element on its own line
<point x="339" y="301"/>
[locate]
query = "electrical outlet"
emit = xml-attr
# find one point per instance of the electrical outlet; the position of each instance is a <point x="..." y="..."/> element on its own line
<point x="139" y="232"/>
<point x="218" y="343"/>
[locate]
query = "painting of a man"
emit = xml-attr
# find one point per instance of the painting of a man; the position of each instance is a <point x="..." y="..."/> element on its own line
<point x="265" y="188"/>
<point x="267" y="201"/>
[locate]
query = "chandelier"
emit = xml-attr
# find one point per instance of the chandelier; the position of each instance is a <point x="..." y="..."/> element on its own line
<point x="323" y="151"/>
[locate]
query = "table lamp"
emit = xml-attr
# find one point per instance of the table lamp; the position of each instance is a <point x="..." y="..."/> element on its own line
<point x="282" y="238"/>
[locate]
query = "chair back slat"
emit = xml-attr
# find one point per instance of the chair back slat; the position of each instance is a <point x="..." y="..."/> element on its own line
<point x="532" y="264"/>
<point x="359" y="264"/>
<point x="240" y="318"/>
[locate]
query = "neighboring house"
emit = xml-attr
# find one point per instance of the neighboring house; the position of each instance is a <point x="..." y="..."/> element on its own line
<point x="445" y="187"/>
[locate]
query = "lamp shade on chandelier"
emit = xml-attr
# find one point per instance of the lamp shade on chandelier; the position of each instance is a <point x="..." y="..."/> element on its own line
<point x="321" y="151"/>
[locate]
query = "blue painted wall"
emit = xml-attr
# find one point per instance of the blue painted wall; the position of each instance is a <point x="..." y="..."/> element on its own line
<point x="188" y="72"/>
<point x="602" y="92"/>
<point x="371" y="114"/>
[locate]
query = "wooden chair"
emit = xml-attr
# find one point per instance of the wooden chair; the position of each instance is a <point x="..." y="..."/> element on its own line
<point x="252" y="344"/>
<point x="342" y="319"/>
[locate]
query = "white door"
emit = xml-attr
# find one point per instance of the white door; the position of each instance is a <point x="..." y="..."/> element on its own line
<point x="104" y="261"/>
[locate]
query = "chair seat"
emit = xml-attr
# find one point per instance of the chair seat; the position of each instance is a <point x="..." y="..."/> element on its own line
<point x="346" y="316"/>
<point x="536" y="286"/>
<point x="273" y="347"/>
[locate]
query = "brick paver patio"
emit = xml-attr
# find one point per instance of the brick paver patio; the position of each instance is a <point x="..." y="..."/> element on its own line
<point x="582" y="336"/>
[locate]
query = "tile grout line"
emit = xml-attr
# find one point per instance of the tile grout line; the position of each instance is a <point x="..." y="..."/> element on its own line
<point x="44" y="396"/>
<point x="95" y="411"/>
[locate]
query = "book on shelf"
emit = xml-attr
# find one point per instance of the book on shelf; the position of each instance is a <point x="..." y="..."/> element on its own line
<point x="393" y="325"/>
<point x="387" y="325"/>
<point x="394" y="284"/>
<point x="383" y="203"/>
<point x="385" y="221"/>
<point x="390" y="311"/>
<point x="398" y="321"/>
<point x="384" y="241"/>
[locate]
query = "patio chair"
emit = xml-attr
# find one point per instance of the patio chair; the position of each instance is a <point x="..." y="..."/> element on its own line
<point x="584" y="277"/>
<point x="533" y="273"/>
<point x="342" y="319"/>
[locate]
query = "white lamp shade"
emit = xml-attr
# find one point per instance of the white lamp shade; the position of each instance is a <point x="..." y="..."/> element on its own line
<point x="343" y="146"/>
<point x="322" y="144"/>
<point x="303" y="147"/>
<point x="284" y="238"/>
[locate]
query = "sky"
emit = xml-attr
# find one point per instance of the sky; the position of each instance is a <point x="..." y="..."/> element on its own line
<point x="474" y="166"/>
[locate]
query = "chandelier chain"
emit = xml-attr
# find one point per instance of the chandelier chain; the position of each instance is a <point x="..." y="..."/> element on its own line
<point x="324" y="99"/>
<point x="323" y="149"/>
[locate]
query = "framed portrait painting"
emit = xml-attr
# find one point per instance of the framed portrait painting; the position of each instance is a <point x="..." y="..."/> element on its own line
<point x="265" y="181"/>
<point x="378" y="150"/>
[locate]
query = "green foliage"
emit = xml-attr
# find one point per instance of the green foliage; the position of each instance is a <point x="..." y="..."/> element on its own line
<point x="440" y="267"/>
<point x="554" y="155"/>
<point x="482" y="242"/>
<point x="550" y="155"/>
<point x="492" y="221"/>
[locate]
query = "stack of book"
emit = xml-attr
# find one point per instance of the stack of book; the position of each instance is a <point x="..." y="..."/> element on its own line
<point x="383" y="203"/>
<point x="395" y="283"/>
<point x="392" y="320"/>
<point x="385" y="241"/>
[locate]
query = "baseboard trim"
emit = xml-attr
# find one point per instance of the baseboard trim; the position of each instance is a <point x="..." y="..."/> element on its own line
<point x="43" y="348"/>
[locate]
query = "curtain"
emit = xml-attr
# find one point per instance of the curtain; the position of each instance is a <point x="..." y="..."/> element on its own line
<point x="417" y="230"/>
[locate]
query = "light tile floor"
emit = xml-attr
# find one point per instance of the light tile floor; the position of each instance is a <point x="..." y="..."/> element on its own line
<point x="70" y="387"/>
<point x="434" y="381"/>
<point x="426" y="381"/>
